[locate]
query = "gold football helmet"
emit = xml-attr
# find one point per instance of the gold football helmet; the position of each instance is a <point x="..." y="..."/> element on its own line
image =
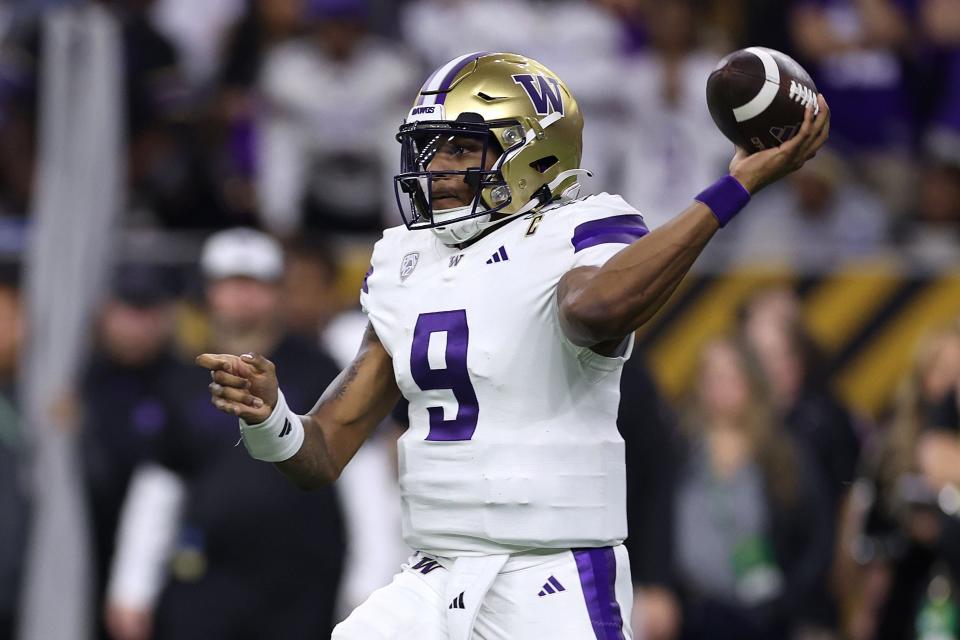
<point x="527" y="119"/>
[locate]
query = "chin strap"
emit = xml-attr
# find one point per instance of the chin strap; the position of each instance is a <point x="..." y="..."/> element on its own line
<point x="570" y="192"/>
<point x="573" y="190"/>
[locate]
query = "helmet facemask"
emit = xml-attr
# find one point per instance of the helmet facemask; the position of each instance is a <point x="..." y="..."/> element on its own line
<point x="417" y="185"/>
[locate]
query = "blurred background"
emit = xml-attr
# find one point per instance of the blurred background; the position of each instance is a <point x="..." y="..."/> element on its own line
<point x="179" y="176"/>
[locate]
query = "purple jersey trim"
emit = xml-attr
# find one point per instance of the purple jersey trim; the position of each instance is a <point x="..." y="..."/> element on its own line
<point x="615" y="229"/>
<point x="364" y="287"/>
<point x="598" y="575"/>
<point x="445" y="85"/>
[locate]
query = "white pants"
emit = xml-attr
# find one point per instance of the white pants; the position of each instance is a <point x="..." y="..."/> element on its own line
<point x="583" y="594"/>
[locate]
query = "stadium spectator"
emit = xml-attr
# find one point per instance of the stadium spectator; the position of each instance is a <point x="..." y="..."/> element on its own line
<point x="799" y="387"/>
<point x="930" y="236"/>
<point x="755" y="23"/>
<point x="265" y="25"/>
<point x="198" y="31"/>
<point x="908" y="536"/>
<point x="251" y="558"/>
<point x="820" y="218"/>
<point x="632" y="15"/>
<point x="753" y="535"/>
<point x="13" y="507"/>
<point x="169" y="181"/>
<point x="331" y="103"/>
<point x="17" y="119"/>
<point x="801" y="394"/>
<point x="857" y="53"/>
<point x="672" y="144"/>
<point x="125" y="403"/>
<point x="310" y="296"/>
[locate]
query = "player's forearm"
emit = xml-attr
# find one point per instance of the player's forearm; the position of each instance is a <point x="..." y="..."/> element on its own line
<point x="332" y="436"/>
<point x="312" y="466"/>
<point x="601" y="305"/>
<point x="617" y="298"/>
<point x="352" y="406"/>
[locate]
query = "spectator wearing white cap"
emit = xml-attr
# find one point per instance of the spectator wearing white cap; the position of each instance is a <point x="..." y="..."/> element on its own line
<point x="242" y="269"/>
<point x="248" y="558"/>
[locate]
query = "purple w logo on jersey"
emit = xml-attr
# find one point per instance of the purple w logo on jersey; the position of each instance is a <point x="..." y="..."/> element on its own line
<point x="544" y="92"/>
<point x="425" y="566"/>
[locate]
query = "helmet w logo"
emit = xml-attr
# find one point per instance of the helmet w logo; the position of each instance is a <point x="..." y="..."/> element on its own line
<point x="544" y="92"/>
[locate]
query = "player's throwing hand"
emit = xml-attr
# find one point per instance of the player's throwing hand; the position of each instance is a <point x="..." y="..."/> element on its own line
<point x="244" y="386"/>
<point x="755" y="171"/>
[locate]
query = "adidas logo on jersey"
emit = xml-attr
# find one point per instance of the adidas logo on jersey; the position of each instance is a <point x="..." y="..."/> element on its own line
<point x="499" y="256"/>
<point x="457" y="602"/>
<point x="552" y="585"/>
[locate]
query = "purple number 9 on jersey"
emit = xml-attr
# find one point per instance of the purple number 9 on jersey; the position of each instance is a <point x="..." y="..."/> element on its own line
<point x="454" y="376"/>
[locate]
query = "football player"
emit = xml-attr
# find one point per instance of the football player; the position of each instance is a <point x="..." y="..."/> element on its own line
<point x="502" y="311"/>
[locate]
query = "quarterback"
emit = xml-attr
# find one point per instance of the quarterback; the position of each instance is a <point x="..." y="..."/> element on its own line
<point x="502" y="310"/>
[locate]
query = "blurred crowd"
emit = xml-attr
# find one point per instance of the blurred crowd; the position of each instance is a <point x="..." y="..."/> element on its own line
<point x="280" y="113"/>
<point x="759" y="505"/>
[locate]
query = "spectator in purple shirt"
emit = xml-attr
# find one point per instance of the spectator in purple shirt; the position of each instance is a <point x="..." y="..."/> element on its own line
<point x="124" y="407"/>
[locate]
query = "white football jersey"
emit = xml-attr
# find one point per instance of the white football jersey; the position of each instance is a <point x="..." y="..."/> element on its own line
<point x="513" y="443"/>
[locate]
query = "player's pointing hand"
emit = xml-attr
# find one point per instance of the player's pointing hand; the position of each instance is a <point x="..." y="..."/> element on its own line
<point x="244" y="386"/>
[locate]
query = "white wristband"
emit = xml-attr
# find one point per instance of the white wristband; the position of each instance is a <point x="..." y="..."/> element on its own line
<point x="277" y="438"/>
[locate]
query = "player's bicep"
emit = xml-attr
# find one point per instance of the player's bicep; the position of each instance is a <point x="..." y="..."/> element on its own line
<point x="570" y="299"/>
<point x="579" y="309"/>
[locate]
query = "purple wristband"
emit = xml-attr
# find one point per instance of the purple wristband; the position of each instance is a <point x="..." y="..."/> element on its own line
<point x="725" y="197"/>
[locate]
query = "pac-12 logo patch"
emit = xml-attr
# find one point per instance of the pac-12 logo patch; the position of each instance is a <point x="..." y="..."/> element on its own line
<point x="544" y="92"/>
<point x="408" y="264"/>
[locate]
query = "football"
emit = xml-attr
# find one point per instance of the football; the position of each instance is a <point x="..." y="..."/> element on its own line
<point x="757" y="97"/>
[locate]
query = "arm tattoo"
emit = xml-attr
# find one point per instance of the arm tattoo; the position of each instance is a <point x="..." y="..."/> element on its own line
<point x="369" y="337"/>
<point x="348" y="378"/>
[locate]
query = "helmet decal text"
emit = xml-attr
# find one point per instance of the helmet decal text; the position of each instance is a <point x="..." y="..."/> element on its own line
<point x="426" y="112"/>
<point x="543" y="91"/>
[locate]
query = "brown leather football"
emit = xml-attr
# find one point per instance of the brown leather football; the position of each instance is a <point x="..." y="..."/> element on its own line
<point x="757" y="97"/>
